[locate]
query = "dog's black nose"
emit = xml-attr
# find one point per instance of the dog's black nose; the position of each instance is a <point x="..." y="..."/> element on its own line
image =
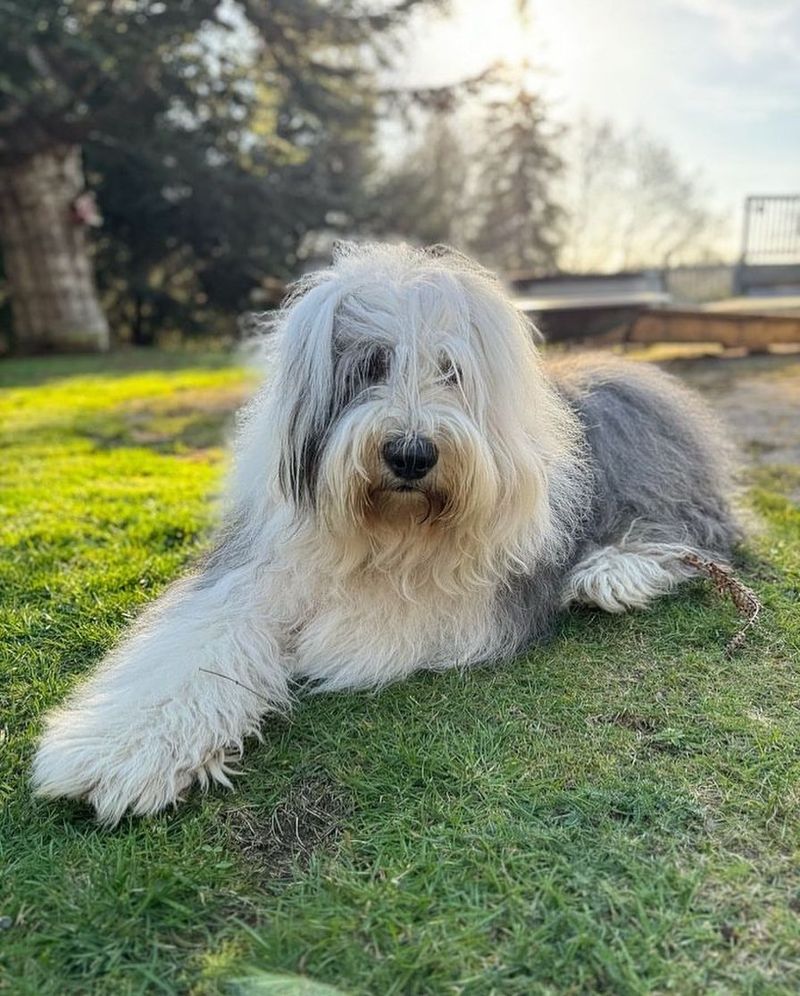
<point x="410" y="457"/>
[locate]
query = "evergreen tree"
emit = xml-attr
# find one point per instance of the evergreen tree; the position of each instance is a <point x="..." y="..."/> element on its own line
<point x="215" y="134"/>
<point x="518" y="166"/>
<point x="424" y="196"/>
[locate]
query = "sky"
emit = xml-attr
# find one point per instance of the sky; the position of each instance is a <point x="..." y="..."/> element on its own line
<point x="716" y="80"/>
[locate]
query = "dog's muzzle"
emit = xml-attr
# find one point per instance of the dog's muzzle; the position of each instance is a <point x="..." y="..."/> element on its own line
<point x="410" y="457"/>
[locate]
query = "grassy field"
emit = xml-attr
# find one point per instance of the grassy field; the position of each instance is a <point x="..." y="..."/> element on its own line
<point x="617" y="812"/>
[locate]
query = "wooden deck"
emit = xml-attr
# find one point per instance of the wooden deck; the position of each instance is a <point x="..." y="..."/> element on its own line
<point x="733" y="330"/>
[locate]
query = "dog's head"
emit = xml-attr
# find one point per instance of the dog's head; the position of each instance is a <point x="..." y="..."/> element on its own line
<point x="410" y="403"/>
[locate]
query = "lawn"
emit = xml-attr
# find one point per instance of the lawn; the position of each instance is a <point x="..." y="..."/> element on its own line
<point x="616" y="812"/>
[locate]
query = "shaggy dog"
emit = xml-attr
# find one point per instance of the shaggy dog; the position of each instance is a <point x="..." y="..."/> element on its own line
<point x="413" y="489"/>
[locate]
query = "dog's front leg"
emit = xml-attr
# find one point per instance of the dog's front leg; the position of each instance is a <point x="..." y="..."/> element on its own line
<point x="172" y="703"/>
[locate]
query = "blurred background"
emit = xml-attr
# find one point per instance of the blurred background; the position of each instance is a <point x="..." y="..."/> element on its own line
<point x="632" y="170"/>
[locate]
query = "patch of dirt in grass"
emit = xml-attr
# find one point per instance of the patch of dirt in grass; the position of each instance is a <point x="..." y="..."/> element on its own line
<point x="190" y="401"/>
<point x="308" y="820"/>
<point x="187" y="420"/>
<point x="758" y="398"/>
<point x="626" y="720"/>
<point x="653" y="736"/>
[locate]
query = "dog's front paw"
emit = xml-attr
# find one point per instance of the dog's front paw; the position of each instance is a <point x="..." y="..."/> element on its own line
<point x="128" y="766"/>
<point x="616" y="579"/>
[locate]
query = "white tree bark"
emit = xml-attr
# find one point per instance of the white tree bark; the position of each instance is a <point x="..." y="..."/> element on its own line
<point x="46" y="255"/>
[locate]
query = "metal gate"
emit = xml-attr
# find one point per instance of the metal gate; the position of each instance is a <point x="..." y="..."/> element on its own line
<point x="771" y="230"/>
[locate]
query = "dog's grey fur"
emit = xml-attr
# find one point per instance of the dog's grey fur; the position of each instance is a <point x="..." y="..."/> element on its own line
<point x="658" y="462"/>
<point x="660" y="473"/>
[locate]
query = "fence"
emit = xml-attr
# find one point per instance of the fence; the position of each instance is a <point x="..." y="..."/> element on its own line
<point x="771" y="230"/>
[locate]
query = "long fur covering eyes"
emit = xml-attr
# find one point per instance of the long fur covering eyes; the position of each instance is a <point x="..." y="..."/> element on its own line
<point x="581" y="480"/>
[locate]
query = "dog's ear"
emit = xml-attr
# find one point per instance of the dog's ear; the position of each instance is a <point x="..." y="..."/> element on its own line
<point x="306" y="390"/>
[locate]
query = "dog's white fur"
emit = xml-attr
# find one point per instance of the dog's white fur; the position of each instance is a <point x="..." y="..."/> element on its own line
<point x="627" y="575"/>
<point x="325" y="571"/>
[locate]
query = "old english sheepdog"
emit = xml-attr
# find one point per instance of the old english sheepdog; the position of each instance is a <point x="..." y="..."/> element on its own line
<point x="413" y="488"/>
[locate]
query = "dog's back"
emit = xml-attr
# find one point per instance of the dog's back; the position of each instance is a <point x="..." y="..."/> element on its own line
<point x="661" y="463"/>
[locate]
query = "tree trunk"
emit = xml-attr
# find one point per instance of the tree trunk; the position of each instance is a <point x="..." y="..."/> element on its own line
<point x="46" y="255"/>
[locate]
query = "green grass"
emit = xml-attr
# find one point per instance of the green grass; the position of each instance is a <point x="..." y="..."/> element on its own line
<point x="617" y="812"/>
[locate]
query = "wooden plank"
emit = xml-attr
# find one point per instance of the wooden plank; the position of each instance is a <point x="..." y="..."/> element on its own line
<point x="784" y="304"/>
<point x="744" y="331"/>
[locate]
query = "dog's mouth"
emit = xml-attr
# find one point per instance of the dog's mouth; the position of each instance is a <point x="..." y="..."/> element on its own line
<point x="426" y="505"/>
<point x="387" y="490"/>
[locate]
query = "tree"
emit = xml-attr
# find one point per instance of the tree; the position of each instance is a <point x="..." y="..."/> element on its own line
<point x="518" y="166"/>
<point x="480" y="172"/>
<point x="216" y="133"/>
<point x="70" y="70"/>
<point x="424" y="195"/>
<point x="631" y="204"/>
<point x="45" y="250"/>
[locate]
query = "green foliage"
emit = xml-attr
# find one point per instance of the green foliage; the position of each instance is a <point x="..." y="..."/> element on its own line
<point x="73" y="66"/>
<point x="616" y="812"/>
<point x="216" y="135"/>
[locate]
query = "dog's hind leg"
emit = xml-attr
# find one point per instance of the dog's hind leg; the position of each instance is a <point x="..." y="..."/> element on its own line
<point x="627" y="575"/>
<point x="172" y="704"/>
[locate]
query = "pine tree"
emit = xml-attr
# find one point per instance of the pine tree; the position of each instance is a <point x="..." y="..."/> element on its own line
<point x="519" y="217"/>
<point x="215" y="135"/>
<point x="424" y="196"/>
